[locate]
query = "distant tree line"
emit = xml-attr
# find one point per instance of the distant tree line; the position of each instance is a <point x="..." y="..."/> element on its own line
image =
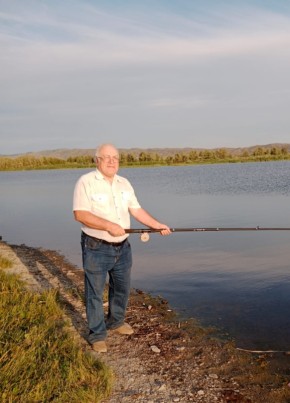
<point x="30" y="162"/>
<point x="221" y="155"/>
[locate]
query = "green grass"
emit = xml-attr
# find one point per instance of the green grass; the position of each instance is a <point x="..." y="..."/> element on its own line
<point x="40" y="361"/>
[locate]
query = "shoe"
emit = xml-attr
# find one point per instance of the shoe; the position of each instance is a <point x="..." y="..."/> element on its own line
<point x="123" y="329"/>
<point x="99" y="346"/>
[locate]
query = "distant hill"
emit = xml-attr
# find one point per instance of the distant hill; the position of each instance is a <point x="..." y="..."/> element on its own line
<point x="64" y="153"/>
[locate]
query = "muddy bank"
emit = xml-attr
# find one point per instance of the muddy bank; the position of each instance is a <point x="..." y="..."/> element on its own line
<point x="165" y="360"/>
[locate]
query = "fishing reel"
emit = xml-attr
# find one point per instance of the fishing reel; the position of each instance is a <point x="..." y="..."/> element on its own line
<point x="145" y="237"/>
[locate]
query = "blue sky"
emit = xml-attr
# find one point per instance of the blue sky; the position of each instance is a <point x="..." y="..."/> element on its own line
<point x="156" y="73"/>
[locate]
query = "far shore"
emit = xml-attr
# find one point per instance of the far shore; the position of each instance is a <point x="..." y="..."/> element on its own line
<point x="133" y="158"/>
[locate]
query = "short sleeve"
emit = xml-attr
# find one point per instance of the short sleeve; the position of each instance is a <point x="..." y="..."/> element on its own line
<point x="81" y="200"/>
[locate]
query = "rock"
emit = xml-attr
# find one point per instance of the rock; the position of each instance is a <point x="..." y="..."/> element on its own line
<point x="155" y="349"/>
<point x="213" y="376"/>
<point x="162" y="388"/>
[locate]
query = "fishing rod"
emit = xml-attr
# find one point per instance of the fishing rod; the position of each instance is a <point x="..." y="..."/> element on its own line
<point x="144" y="232"/>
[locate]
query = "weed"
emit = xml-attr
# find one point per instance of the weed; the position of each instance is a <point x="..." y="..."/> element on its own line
<point x="5" y="263"/>
<point x="39" y="360"/>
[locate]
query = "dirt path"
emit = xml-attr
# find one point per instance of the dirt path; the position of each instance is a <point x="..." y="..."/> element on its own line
<point x="164" y="360"/>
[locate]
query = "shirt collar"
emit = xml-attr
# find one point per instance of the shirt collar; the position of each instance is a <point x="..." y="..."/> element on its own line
<point x="100" y="176"/>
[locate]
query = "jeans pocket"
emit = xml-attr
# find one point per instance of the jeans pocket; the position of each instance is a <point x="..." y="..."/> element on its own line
<point x="92" y="244"/>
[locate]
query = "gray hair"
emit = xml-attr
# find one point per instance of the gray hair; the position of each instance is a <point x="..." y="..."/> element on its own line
<point x="100" y="147"/>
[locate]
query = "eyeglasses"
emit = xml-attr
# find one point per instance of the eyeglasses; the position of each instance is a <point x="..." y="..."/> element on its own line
<point x="109" y="158"/>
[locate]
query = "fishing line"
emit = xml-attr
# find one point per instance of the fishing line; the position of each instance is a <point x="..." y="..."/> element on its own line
<point x="144" y="232"/>
<point x="263" y="351"/>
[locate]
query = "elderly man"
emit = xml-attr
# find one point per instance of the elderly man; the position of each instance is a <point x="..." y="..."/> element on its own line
<point x="103" y="202"/>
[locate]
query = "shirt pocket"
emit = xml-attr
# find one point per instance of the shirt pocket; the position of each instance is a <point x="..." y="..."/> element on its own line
<point x="125" y="198"/>
<point x="100" y="203"/>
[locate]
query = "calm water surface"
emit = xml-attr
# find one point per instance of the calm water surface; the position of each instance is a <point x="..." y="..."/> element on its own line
<point x="237" y="281"/>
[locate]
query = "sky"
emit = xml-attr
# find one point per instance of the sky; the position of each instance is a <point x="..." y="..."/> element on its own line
<point x="146" y="74"/>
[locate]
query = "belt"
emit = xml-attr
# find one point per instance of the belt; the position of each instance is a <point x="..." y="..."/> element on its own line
<point x="106" y="242"/>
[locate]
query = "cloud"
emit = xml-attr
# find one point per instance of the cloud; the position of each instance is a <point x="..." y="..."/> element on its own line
<point x="93" y="44"/>
<point x="175" y="71"/>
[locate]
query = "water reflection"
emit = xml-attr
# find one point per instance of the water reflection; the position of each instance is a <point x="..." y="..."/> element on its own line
<point x="243" y="292"/>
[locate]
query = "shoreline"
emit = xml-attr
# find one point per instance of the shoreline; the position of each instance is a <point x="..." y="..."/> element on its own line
<point x="155" y="164"/>
<point x="166" y="359"/>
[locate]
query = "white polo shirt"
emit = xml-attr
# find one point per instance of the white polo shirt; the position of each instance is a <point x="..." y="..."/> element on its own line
<point x="95" y="194"/>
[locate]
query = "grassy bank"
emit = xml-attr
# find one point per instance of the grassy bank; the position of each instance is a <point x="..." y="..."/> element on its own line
<point x="39" y="358"/>
<point x="145" y="160"/>
<point x="40" y="362"/>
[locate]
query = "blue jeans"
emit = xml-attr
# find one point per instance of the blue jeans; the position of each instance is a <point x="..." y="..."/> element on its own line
<point x="100" y="259"/>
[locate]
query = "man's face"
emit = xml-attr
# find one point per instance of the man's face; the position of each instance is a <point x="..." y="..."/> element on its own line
<point x="108" y="161"/>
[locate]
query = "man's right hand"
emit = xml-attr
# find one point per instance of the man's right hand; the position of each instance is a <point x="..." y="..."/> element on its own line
<point x="115" y="230"/>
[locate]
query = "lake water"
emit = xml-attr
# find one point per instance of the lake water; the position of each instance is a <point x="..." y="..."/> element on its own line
<point x="236" y="281"/>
